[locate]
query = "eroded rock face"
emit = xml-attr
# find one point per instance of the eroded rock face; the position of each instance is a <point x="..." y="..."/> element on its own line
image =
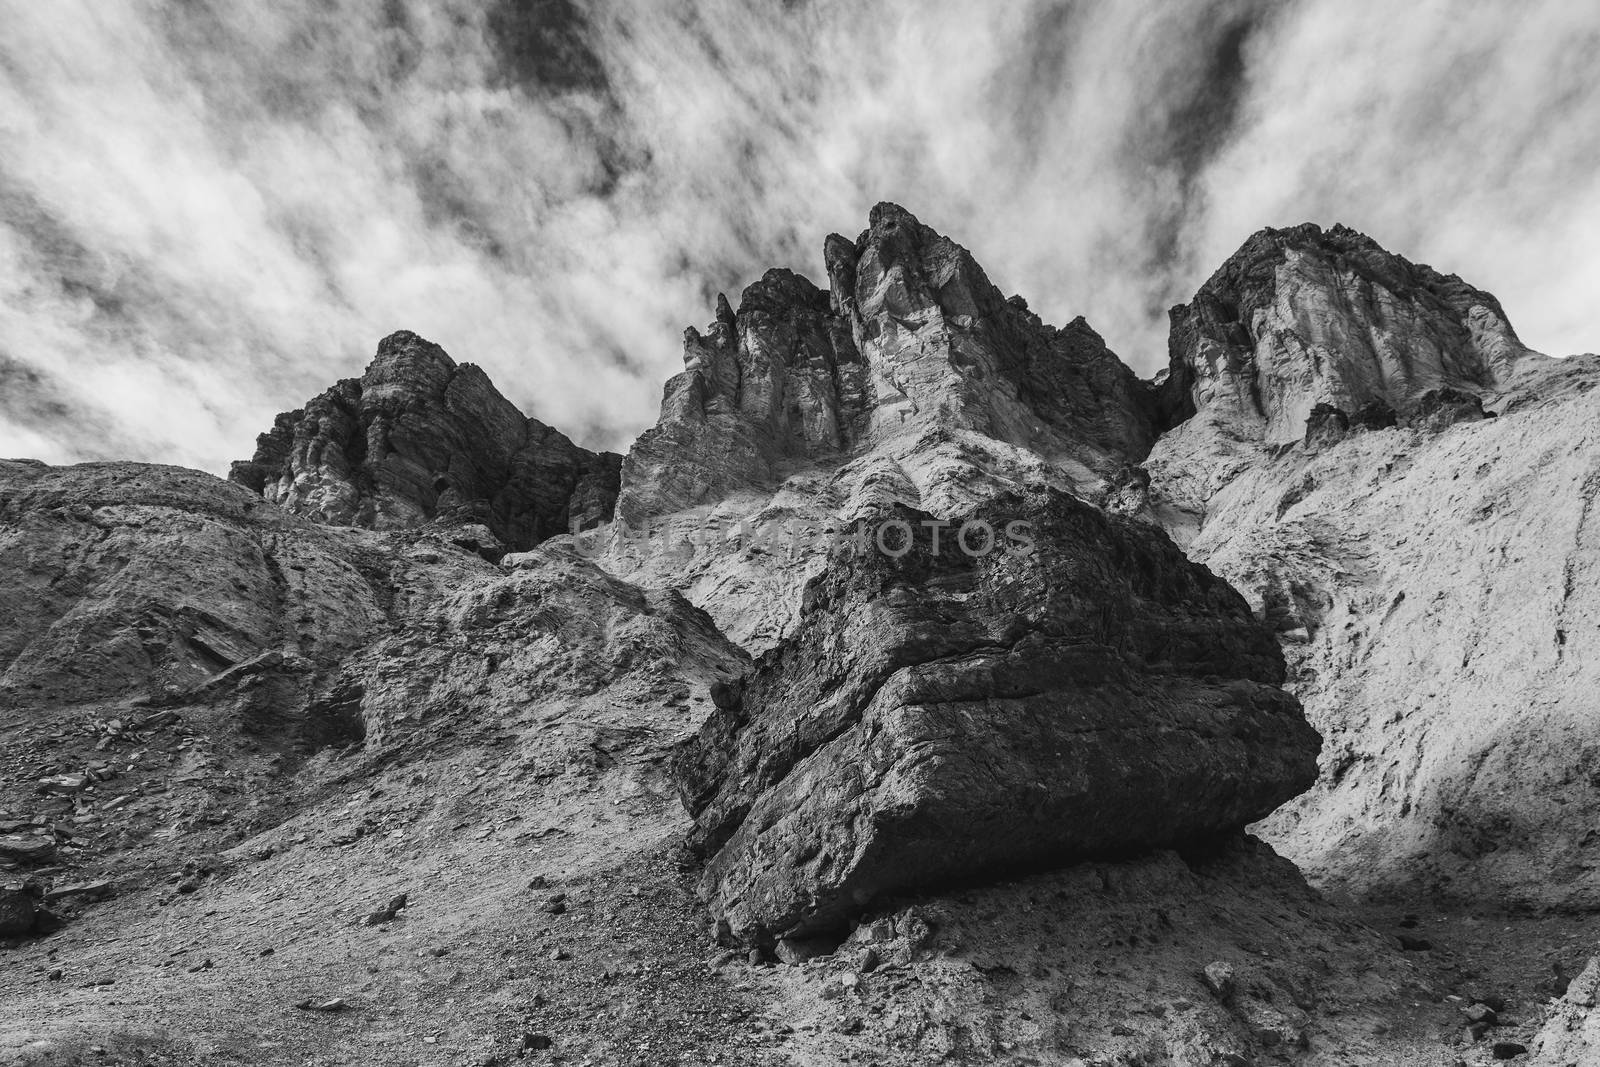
<point x="912" y="336"/>
<point x="1302" y="317"/>
<point x="946" y="348"/>
<point x="1423" y="562"/>
<point x="778" y="381"/>
<point x="1434" y="588"/>
<point x="127" y="578"/>
<point x="912" y="380"/>
<point x="418" y="439"/>
<point x="939" y="717"/>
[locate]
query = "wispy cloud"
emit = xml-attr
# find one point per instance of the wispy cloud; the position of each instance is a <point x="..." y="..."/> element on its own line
<point x="209" y="211"/>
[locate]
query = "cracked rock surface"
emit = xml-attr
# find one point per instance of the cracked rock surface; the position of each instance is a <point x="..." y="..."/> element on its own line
<point x="938" y="717"/>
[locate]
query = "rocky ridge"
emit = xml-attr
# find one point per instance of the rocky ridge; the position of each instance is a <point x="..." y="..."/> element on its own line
<point x="912" y="380"/>
<point x="418" y="439"/>
<point x="339" y="682"/>
<point x="912" y="336"/>
<point x="1402" y="491"/>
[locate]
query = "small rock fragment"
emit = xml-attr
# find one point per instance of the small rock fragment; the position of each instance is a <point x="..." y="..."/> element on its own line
<point x="386" y="913"/>
<point x="1220" y="979"/>
<point x="96" y="890"/>
<point x="16" y="911"/>
<point x="313" y="1004"/>
<point x="796" y="950"/>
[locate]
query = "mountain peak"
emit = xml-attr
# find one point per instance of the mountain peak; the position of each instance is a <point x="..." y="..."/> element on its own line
<point x="1303" y="316"/>
<point x="419" y="438"/>
<point x="911" y="338"/>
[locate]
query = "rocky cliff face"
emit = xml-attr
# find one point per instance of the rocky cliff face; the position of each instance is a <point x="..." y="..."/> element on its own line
<point x="1302" y="317"/>
<point x="1433" y="590"/>
<point x="778" y="382"/>
<point x="1421" y="559"/>
<point x="1302" y="323"/>
<point x="939" y="716"/>
<point x="911" y="380"/>
<point x="911" y="337"/>
<point x="418" y="439"/>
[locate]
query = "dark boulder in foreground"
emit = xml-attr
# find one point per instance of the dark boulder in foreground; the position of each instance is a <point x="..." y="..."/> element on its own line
<point x="942" y="717"/>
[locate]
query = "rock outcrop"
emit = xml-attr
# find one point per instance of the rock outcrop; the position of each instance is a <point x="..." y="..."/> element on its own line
<point x="1426" y="566"/>
<point x="911" y="380"/>
<point x="1302" y="317"/>
<point x="419" y="439"/>
<point x="127" y="578"/>
<point x="1303" y="321"/>
<point x="1080" y="689"/>
<point x="912" y="336"/>
<point x="777" y="382"/>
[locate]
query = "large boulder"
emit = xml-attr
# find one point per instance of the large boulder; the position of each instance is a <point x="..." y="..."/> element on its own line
<point x="1080" y="689"/>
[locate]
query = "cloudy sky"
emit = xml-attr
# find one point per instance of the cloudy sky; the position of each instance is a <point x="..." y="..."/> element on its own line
<point x="211" y="210"/>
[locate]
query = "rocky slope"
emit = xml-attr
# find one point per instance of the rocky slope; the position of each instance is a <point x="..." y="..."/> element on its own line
<point x="419" y="439"/>
<point x="369" y="733"/>
<point x="127" y="579"/>
<point x="1297" y="325"/>
<point x="393" y="714"/>
<point x="1433" y="591"/>
<point x="1424" y="561"/>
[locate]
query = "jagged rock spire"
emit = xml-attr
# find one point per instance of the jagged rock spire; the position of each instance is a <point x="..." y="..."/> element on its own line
<point x="911" y="338"/>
